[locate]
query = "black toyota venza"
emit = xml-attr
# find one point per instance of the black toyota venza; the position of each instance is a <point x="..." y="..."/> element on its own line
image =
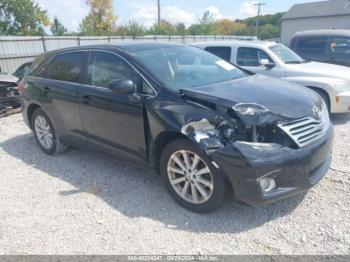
<point x="206" y="126"/>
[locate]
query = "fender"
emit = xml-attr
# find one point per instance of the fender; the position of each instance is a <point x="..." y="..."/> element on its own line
<point x="323" y="83"/>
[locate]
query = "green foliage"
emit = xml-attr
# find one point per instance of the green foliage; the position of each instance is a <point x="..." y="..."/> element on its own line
<point x="100" y="20"/>
<point x="57" y="28"/>
<point x="163" y="28"/>
<point x="269" y="27"/>
<point x="22" y="17"/>
<point x="133" y="28"/>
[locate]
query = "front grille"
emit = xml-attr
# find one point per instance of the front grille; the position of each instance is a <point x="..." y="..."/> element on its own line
<point x="306" y="130"/>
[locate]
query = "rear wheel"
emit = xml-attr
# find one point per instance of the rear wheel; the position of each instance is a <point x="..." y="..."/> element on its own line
<point x="190" y="177"/>
<point x="45" y="133"/>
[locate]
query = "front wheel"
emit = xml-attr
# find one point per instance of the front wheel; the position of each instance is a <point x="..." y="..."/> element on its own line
<point x="190" y="177"/>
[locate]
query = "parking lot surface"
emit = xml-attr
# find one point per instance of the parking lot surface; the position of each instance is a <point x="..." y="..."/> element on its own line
<point x="84" y="202"/>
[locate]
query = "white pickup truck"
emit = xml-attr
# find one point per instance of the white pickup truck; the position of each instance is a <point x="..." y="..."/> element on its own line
<point x="332" y="82"/>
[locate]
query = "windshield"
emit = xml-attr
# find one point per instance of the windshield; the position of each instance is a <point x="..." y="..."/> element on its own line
<point x="178" y="67"/>
<point x="286" y="55"/>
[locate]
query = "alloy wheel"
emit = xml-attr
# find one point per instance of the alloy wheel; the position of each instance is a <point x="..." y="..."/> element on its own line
<point x="43" y="132"/>
<point x="190" y="177"/>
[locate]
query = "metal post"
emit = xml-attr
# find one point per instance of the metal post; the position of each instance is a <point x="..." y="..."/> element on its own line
<point x="43" y="41"/>
<point x="259" y="5"/>
<point x="158" y="11"/>
<point x="78" y="41"/>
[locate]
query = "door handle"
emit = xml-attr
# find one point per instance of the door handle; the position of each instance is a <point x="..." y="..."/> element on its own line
<point x="85" y="99"/>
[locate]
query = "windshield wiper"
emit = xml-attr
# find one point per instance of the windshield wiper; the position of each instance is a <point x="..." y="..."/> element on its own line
<point x="294" y="62"/>
<point x="297" y="62"/>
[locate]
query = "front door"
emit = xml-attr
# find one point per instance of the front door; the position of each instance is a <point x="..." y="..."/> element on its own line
<point x="113" y="121"/>
<point x="250" y="59"/>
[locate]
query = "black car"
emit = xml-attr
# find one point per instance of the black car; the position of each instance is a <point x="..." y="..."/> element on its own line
<point x="328" y="46"/>
<point x="206" y="126"/>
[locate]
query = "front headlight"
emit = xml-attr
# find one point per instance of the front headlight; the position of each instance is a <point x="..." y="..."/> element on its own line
<point x="341" y="86"/>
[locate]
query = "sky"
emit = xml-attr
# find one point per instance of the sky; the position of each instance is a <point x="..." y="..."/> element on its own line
<point x="71" y="12"/>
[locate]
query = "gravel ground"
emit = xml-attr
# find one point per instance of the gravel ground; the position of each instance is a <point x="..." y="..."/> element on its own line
<point x="90" y="203"/>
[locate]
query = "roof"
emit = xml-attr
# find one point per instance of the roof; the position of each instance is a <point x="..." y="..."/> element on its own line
<point x="121" y="46"/>
<point x="319" y="9"/>
<point x="324" y="32"/>
<point x="235" y="43"/>
<point x="143" y="45"/>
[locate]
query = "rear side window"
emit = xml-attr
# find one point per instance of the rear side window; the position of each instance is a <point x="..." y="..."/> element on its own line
<point x="251" y="56"/>
<point x="67" y="67"/>
<point x="105" y="67"/>
<point x="340" y="45"/>
<point x="315" y="45"/>
<point x="223" y="52"/>
<point x="42" y="71"/>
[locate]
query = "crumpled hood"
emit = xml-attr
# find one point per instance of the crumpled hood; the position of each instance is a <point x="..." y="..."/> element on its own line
<point x="8" y="78"/>
<point x="318" y="69"/>
<point x="273" y="99"/>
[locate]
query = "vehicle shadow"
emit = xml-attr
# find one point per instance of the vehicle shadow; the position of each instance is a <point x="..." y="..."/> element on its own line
<point x="136" y="191"/>
<point x="340" y="119"/>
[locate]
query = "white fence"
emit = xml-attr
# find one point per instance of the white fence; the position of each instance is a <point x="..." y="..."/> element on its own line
<point x="16" y="50"/>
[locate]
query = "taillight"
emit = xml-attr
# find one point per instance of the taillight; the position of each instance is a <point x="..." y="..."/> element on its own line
<point x="21" y="86"/>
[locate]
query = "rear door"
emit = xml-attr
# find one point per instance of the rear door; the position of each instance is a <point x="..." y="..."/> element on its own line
<point x="112" y="121"/>
<point x="312" y="48"/>
<point x="55" y="85"/>
<point x="339" y="51"/>
<point x="223" y="52"/>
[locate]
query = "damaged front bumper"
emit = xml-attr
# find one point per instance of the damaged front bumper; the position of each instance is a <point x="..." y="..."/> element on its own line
<point x="9" y="96"/>
<point x="293" y="170"/>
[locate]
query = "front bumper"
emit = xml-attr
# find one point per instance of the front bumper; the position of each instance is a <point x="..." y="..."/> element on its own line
<point x="13" y="101"/>
<point x="342" y="103"/>
<point x="294" y="170"/>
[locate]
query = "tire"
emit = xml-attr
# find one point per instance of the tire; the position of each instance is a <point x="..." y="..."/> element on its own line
<point x="214" y="187"/>
<point x="53" y="148"/>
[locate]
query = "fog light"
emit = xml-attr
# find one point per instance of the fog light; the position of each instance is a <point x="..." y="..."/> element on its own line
<point x="267" y="184"/>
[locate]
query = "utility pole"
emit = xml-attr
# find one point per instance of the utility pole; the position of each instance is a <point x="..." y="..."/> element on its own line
<point x="259" y="5"/>
<point x="158" y="11"/>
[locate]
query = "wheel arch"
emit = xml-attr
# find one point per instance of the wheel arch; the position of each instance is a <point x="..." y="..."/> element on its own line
<point x="159" y="143"/>
<point x="30" y="111"/>
<point x="324" y="92"/>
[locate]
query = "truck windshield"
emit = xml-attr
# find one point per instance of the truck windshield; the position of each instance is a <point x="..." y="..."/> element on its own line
<point x="177" y="67"/>
<point x="286" y="55"/>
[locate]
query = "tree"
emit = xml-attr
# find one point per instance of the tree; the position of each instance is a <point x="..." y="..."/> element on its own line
<point x="57" y="28"/>
<point x="162" y="28"/>
<point x="180" y="29"/>
<point x="205" y="26"/>
<point x="207" y="18"/>
<point x="22" y="17"/>
<point x="100" y="20"/>
<point x="227" y="27"/>
<point x="133" y="28"/>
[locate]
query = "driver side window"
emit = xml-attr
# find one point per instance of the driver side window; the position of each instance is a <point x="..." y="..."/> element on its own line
<point x="251" y="56"/>
<point x="105" y="67"/>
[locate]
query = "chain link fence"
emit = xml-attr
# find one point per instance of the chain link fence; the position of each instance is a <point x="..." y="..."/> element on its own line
<point x="17" y="50"/>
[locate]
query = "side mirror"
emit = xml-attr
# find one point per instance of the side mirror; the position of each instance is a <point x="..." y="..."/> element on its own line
<point x="122" y="86"/>
<point x="266" y="63"/>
